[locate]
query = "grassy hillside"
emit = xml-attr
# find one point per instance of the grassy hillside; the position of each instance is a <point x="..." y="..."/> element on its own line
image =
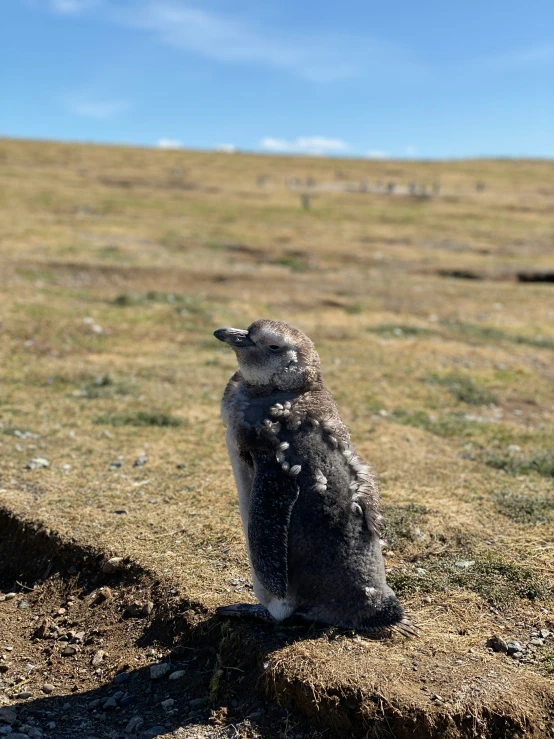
<point x="116" y="265"/>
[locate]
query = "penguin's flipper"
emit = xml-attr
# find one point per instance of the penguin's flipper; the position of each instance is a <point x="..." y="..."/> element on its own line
<point x="246" y="610"/>
<point x="274" y="493"/>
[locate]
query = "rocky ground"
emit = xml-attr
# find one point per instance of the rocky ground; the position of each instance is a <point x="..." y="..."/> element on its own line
<point x="75" y="663"/>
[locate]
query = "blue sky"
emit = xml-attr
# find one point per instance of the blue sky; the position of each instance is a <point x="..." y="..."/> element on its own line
<point x="408" y="79"/>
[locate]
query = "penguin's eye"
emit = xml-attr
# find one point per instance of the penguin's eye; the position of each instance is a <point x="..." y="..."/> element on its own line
<point x="274" y="347"/>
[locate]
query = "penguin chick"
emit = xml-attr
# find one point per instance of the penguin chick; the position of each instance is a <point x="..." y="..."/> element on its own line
<point x="308" y="502"/>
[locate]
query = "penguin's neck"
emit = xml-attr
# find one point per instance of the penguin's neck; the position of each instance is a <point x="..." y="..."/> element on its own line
<point x="284" y="388"/>
<point x="264" y="393"/>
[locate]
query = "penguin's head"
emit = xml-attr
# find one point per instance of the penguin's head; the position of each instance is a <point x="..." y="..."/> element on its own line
<point x="274" y="354"/>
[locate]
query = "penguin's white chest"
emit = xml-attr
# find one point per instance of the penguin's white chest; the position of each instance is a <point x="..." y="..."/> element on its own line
<point x="244" y="476"/>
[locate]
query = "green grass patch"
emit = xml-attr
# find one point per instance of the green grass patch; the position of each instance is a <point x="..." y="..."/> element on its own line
<point x="452" y="424"/>
<point x="128" y="299"/>
<point x="183" y="304"/>
<point x="354" y="309"/>
<point x="295" y="262"/>
<point x="496" y="580"/>
<point x="541" y="463"/>
<point x="140" y="418"/>
<point x="489" y="333"/>
<point x="401" y="523"/>
<point x="111" y="251"/>
<point x="547" y="663"/>
<point x="463" y="388"/>
<point x="400" y="330"/>
<point x="19" y="432"/>
<point x="104" y="386"/>
<point x="527" y="509"/>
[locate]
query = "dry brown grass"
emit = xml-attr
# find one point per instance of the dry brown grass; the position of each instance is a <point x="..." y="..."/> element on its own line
<point x="160" y="248"/>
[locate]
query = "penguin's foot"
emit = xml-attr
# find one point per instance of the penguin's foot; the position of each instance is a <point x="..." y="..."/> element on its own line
<point x="246" y="610"/>
<point x="406" y="628"/>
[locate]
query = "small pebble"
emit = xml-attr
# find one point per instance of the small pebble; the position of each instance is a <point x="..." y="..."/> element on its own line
<point x="136" y="723"/>
<point x="47" y="688"/>
<point x="167" y="704"/>
<point x="23" y="604"/>
<point x="37" y="463"/>
<point x="112" y="565"/>
<point x="127" y="700"/>
<point x="497" y="644"/>
<point x="115" y="465"/>
<point x="140" y="461"/>
<point x="196" y="702"/>
<point x="69" y="651"/>
<point x="148" y="608"/>
<point x="513" y="647"/>
<point x="7" y="715"/>
<point x="121" y="678"/>
<point x="110" y="704"/>
<point x="44" y="628"/>
<point x="94" y="704"/>
<point x="134" y="610"/>
<point x="98" y="657"/>
<point x="154" y="731"/>
<point x="51" y="725"/>
<point x="159" y="670"/>
<point x="177" y="675"/>
<point x="104" y="594"/>
<point x="34" y="733"/>
<point x="24" y="694"/>
<point x="9" y="596"/>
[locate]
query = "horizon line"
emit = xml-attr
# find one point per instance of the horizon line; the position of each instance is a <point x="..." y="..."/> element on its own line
<point x="281" y="155"/>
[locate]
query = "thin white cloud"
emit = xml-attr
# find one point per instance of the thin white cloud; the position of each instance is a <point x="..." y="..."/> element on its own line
<point x="377" y="154"/>
<point x="227" y="148"/>
<point x="71" y="7"/>
<point x="317" y="57"/>
<point x="316" y="145"/>
<point x="169" y="144"/>
<point x="99" y="110"/>
<point x="540" y="54"/>
<point x="321" y="57"/>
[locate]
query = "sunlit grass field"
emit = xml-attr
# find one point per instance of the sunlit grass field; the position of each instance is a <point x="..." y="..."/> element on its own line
<point x="117" y="264"/>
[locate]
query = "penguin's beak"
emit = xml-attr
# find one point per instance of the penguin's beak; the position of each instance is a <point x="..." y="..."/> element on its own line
<point x="235" y="337"/>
